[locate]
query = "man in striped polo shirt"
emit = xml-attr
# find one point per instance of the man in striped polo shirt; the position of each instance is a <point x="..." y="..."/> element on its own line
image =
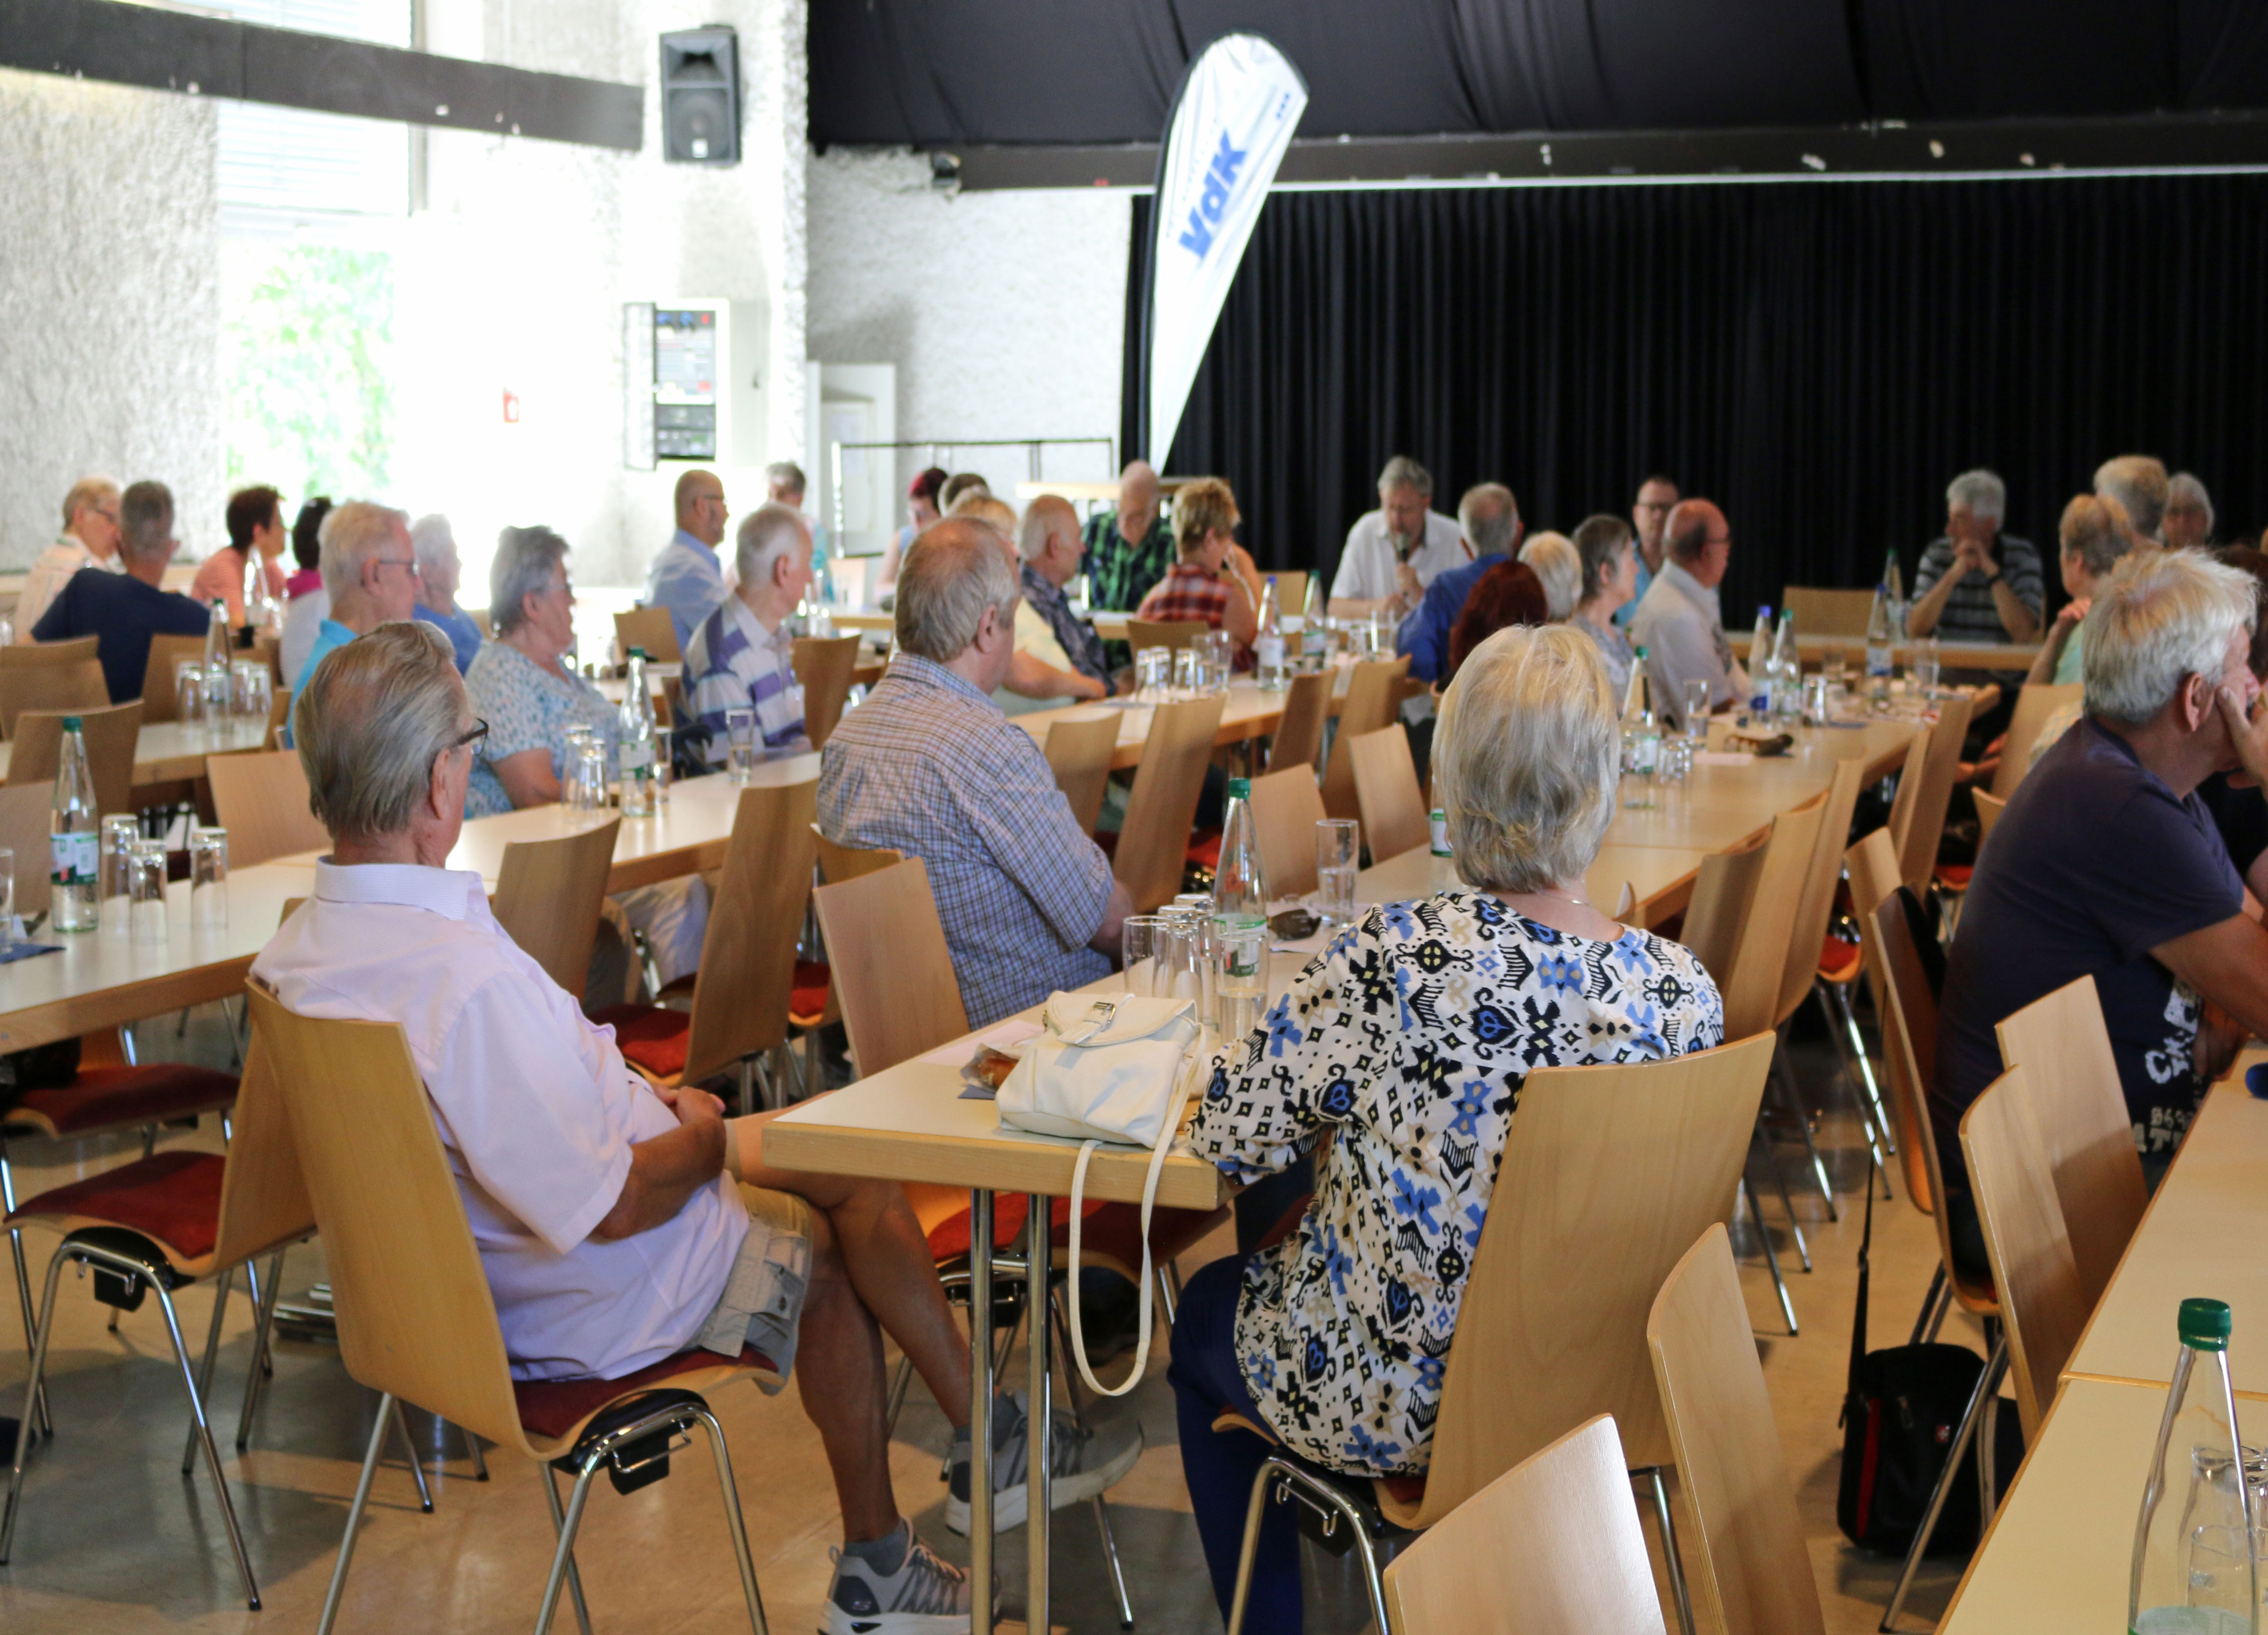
<point x="743" y="655"/>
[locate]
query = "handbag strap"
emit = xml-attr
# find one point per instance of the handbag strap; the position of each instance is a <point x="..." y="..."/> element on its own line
<point x="1166" y="1133"/>
<point x="1858" y="1317"/>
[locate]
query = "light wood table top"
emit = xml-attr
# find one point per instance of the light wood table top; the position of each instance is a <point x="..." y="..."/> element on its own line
<point x="1661" y="878"/>
<point x="2058" y="1557"/>
<point x="1720" y="806"/>
<point x="1951" y="655"/>
<point x="1247" y="714"/>
<point x="166" y="752"/>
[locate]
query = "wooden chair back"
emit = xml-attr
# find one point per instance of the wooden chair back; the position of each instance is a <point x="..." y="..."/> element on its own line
<point x="1754" y="1572"/>
<point x="1989" y="808"/>
<point x="279" y="715"/>
<point x="1153" y="843"/>
<point x="2038" y="700"/>
<point x="2026" y="1241"/>
<point x="1291" y="592"/>
<point x="1299" y="735"/>
<point x="110" y="734"/>
<point x="1760" y="956"/>
<point x="547" y="899"/>
<point x="31" y="655"/>
<point x="1608" y="1175"/>
<point x="838" y="863"/>
<point x="1873" y="866"/>
<point x="1386" y="789"/>
<point x="74" y="686"/>
<point x="1808" y="934"/>
<point x="1285" y="807"/>
<point x="414" y="1315"/>
<point x="1724" y="888"/>
<point x="161" y="697"/>
<point x="823" y="666"/>
<point x="1552" y="1547"/>
<point x="23" y="820"/>
<point x="2080" y="1109"/>
<point x="261" y="800"/>
<point x="893" y="972"/>
<point x="747" y="979"/>
<point x="1911" y="776"/>
<point x="263" y="1196"/>
<point x="1078" y="751"/>
<point x="1925" y="819"/>
<point x="1372" y="693"/>
<point x="1176" y="634"/>
<point x="648" y="627"/>
<point x="1823" y="612"/>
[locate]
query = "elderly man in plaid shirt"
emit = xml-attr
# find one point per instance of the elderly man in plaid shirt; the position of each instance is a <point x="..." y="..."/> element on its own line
<point x="743" y="655"/>
<point x="929" y="766"/>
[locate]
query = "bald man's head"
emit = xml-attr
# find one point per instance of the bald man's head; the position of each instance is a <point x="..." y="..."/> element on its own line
<point x="700" y="503"/>
<point x="1700" y="539"/>
<point x="1137" y="501"/>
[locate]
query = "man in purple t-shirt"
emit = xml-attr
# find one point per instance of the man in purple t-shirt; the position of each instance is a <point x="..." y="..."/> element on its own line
<point x="2107" y="865"/>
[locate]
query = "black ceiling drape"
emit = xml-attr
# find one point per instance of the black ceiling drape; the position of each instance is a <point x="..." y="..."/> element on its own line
<point x="1820" y="358"/>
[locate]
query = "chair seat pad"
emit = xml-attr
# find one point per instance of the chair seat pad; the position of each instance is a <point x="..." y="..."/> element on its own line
<point x="1955" y="877"/>
<point x="653" y="1036"/>
<point x="950" y="1238"/>
<point x="806" y="1002"/>
<point x="1113" y="1232"/>
<point x="551" y="1408"/>
<point x="1838" y="960"/>
<point x="1408" y="1492"/>
<point x="102" y="1097"/>
<point x="172" y="1199"/>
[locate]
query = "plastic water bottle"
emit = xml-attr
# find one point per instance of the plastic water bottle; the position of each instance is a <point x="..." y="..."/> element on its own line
<point x="216" y="663"/>
<point x="1788" y="671"/>
<point x="1881" y="651"/>
<point x="1760" y="657"/>
<point x="1268" y="646"/>
<point x="636" y="755"/>
<point x="74" y="841"/>
<point x="1239" y="913"/>
<point x="1891" y="582"/>
<point x="2193" y="1572"/>
<point x="1314" y="636"/>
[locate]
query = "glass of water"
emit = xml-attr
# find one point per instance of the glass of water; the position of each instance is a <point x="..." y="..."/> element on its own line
<point x="1139" y="950"/>
<point x="741" y="745"/>
<point x="208" y="878"/>
<point x="598" y="772"/>
<point x="1220" y="657"/>
<point x="1338" y="843"/>
<point x="7" y="885"/>
<point x="189" y="691"/>
<point x="1925" y="667"/>
<point x="1694" y="710"/>
<point x="1240" y="966"/>
<point x="1185" y="671"/>
<point x="664" y="767"/>
<point x="1153" y="668"/>
<point x="145" y="875"/>
<point x="120" y="832"/>
<point x="253" y="689"/>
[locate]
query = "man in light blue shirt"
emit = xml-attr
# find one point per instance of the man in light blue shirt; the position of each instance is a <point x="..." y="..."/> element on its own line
<point x="1657" y="497"/>
<point x="685" y="578"/>
<point x="369" y="572"/>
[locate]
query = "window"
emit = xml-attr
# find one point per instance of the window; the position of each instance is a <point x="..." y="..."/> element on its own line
<point x="284" y="170"/>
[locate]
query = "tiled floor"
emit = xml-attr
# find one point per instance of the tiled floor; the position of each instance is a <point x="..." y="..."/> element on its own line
<point x="112" y="1538"/>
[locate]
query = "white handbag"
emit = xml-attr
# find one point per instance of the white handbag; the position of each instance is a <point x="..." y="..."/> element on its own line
<point x="1114" y="1069"/>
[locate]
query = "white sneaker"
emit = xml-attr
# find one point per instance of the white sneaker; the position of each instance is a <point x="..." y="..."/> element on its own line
<point x="924" y="1597"/>
<point x="1082" y="1462"/>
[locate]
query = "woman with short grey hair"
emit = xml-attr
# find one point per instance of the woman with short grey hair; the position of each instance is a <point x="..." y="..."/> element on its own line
<point x="2094" y="534"/>
<point x="1554" y="560"/>
<point x="1408" y="1040"/>
<point x="1608" y="554"/>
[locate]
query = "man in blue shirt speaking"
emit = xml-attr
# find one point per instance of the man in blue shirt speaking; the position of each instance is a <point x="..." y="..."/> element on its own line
<point x="1489" y="518"/>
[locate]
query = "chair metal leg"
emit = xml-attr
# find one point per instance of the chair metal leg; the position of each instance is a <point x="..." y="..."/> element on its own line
<point x="559" y="1532"/>
<point x="205" y="1369"/>
<point x="1304" y="1489"/>
<point x="1165" y="1300"/>
<point x="378" y="1430"/>
<point x="1110" y="1556"/>
<point x="814" y="1071"/>
<point x="1874" y="1136"/>
<point x="264" y="1324"/>
<point x="1678" y="1591"/>
<point x="1793" y="1095"/>
<point x="417" y="1466"/>
<point x="562" y="1559"/>
<point x="212" y="1454"/>
<point x="734" y="1524"/>
<point x="1987" y="1384"/>
<point x="1925" y="1321"/>
<point x="1771" y="1257"/>
<point x="1779" y="1180"/>
<point x="23" y="1295"/>
<point x="1937" y="1318"/>
<point x="1250" y="1547"/>
<point x="40" y="1333"/>
<point x="473" y="1451"/>
<point x="1866" y="1066"/>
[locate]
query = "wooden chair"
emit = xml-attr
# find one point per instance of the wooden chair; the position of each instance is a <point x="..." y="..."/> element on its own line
<point x="1871" y="866"/>
<point x="1911" y="778"/>
<point x="26" y="810"/>
<point x="1373" y="694"/>
<point x="1989" y="808"/>
<point x="1154" y="842"/>
<point x="1291" y="592"/>
<point x="1723" y="889"/>
<point x="416" y="1320"/>
<point x="2038" y="700"/>
<point x="823" y="666"/>
<point x="1821" y="611"/>
<point x="1285" y="808"/>
<point x="547" y="899"/>
<point x="279" y="714"/>
<point x="1552" y="1547"/>
<point x="110" y="734"/>
<point x="1178" y="634"/>
<point x="1754" y="1571"/>
<point x="31" y="655"/>
<point x="261" y="800"/>
<point x="1078" y="751"/>
<point x="1607" y="1176"/>
<point x="161" y="696"/>
<point x="77" y="687"/>
<point x="647" y="627"/>
<point x="2071" y="1078"/>
<point x="2042" y="1304"/>
<point x="164" y="1220"/>
<point x="838" y="863"/>
<point x="1917" y="843"/>
<point x="1386" y="789"/>
<point x="1299" y="735"/>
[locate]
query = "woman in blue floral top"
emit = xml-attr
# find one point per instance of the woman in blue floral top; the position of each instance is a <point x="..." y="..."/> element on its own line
<point x="1408" y="1040"/>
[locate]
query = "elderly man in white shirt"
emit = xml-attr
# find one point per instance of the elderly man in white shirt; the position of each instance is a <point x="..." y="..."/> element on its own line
<point x="1393" y="552"/>
<point x="617" y="1223"/>
<point x="89" y="540"/>
<point x="1679" y="626"/>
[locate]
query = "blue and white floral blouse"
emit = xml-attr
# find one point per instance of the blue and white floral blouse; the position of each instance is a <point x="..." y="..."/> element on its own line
<point x="526" y="708"/>
<point x="1411" y="1034"/>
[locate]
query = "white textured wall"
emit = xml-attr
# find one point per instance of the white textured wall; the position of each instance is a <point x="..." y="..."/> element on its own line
<point x="109" y="303"/>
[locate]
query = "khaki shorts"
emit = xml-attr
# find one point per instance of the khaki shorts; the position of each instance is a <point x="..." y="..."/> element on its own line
<point x="762" y="1302"/>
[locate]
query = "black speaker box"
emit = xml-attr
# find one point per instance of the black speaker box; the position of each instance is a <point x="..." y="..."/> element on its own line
<point x="701" y="96"/>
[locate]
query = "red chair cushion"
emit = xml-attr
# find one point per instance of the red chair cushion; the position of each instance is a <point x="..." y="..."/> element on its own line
<point x="1955" y="875"/>
<point x="1107" y="839"/>
<point x="551" y="1408"/>
<point x="1406" y="1490"/>
<point x="653" y="1036"/>
<point x="1838" y="960"/>
<point x="1205" y="851"/>
<point x="950" y="1236"/>
<point x="1114" y="1231"/>
<point x="172" y="1196"/>
<point x="100" y="1098"/>
<point x="806" y="1002"/>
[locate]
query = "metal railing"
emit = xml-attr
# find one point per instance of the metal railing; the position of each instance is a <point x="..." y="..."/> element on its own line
<point x="941" y="450"/>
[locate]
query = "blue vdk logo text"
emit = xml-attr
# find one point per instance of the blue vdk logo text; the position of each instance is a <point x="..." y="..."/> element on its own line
<point x="1220" y="178"/>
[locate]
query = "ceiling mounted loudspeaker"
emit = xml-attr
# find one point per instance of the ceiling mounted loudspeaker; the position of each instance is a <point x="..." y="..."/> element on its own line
<point x="701" y="96"/>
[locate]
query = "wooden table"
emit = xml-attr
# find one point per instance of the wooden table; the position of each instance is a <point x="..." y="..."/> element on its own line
<point x="1720" y="806"/>
<point x="167" y="751"/>
<point x="1951" y="655"/>
<point x="1661" y="878"/>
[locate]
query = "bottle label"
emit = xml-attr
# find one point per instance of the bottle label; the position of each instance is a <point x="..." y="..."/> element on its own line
<point x="1878" y="661"/>
<point x="72" y="858"/>
<point x="1270" y="650"/>
<point x="637" y="760"/>
<point x="1438" y="821"/>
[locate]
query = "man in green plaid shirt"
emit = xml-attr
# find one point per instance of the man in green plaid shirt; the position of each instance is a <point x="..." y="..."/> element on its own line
<point x="1130" y="549"/>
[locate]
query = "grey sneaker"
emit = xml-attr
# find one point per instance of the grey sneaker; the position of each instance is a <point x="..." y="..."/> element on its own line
<point x="1082" y="1462"/>
<point x="924" y="1597"/>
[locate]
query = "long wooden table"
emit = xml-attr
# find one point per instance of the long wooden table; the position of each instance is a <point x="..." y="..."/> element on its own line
<point x="1661" y="879"/>
<point x="167" y="751"/>
<point x="1951" y="655"/>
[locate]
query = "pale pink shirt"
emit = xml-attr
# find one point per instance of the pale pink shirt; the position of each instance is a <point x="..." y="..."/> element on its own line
<point x="534" y="1107"/>
<point x="223" y="576"/>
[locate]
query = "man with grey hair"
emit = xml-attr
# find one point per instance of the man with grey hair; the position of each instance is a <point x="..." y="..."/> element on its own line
<point x="929" y="765"/>
<point x="1488" y="521"/>
<point x="123" y="611"/>
<point x="743" y="655"/>
<point x="1046" y="627"/>
<point x="89" y="540"/>
<point x="439" y="569"/>
<point x="2188" y="519"/>
<point x="2139" y="483"/>
<point x="685" y="578"/>
<point x="785" y="482"/>
<point x="1977" y="584"/>
<point x="2106" y="864"/>
<point x="1129" y="549"/>
<point x="1393" y="553"/>
<point x="369" y="572"/>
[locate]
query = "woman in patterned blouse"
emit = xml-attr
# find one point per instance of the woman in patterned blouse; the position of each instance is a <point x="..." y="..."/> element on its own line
<point x="1407" y="1040"/>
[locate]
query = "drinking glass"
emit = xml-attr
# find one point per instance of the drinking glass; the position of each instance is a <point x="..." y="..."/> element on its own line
<point x="1833" y="664"/>
<point x="1925" y="670"/>
<point x="597" y="773"/>
<point x="7" y="883"/>
<point x="1185" y="671"/>
<point x="1694" y="710"/>
<point x="1154" y="667"/>
<point x="1239" y="964"/>
<point x="120" y="832"/>
<point x="1339" y="844"/>
<point x="1220" y="657"/>
<point x="1140" y="951"/>
<point x="571" y="793"/>
<point x="1673" y="760"/>
<point x="1818" y="701"/>
<point x="1182" y="967"/>
<point x="664" y="768"/>
<point x="146" y="873"/>
<point x="253" y="688"/>
<point x="189" y="691"/>
<point x="741" y="745"/>
<point x="216" y="694"/>
<point x="208" y="878"/>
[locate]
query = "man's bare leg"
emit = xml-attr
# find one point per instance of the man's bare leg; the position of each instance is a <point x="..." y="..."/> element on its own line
<point x="839" y="1375"/>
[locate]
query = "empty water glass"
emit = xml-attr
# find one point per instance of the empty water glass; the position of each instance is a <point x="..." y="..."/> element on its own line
<point x="120" y="832"/>
<point x="146" y="873"/>
<point x="1673" y="760"/>
<point x="1138" y="949"/>
<point x="208" y="878"/>
<point x="1154" y="667"/>
<point x="189" y="691"/>
<point x="7" y="885"/>
<point x="597" y="773"/>
<point x="1185" y="672"/>
<point x="1694" y="710"/>
<point x="1925" y="667"/>
<point x="664" y="768"/>
<point x="741" y="743"/>
<point x="1339" y="844"/>
<point x="251" y="687"/>
<point x="1220" y="657"/>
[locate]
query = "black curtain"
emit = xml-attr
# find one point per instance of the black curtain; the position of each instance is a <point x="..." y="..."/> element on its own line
<point x="1820" y="358"/>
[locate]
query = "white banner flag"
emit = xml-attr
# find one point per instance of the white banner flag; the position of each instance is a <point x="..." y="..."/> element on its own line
<point x="1239" y="105"/>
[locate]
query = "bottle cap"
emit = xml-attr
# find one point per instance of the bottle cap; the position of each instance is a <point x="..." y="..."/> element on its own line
<point x="2204" y="1325"/>
<point x="1640" y="652"/>
<point x="1764" y="612"/>
<point x="1240" y="788"/>
<point x="72" y="723"/>
<point x="637" y="652"/>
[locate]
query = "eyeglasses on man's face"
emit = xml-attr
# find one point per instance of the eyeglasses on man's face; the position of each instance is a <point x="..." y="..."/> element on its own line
<point x="410" y="563"/>
<point x="472" y="735"/>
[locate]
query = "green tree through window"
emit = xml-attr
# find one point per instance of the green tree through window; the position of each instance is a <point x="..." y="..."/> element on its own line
<point x="307" y="357"/>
